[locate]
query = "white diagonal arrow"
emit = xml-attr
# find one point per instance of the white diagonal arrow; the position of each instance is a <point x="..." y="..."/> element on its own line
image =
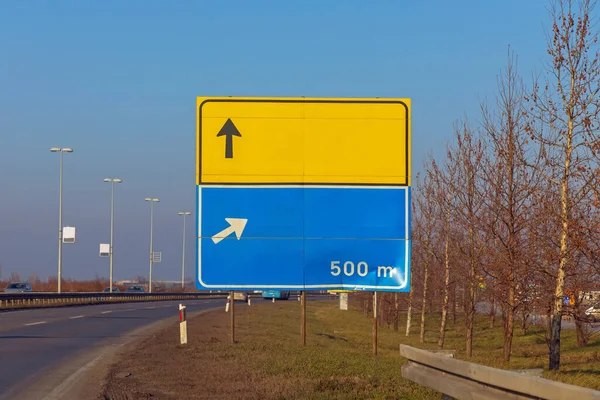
<point x="236" y="225"/>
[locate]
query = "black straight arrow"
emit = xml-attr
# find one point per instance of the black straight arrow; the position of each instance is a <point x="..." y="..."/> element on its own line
<point x="229" y="131"/>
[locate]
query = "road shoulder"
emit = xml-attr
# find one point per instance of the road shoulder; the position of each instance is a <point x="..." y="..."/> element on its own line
<point x="83" y="376"/>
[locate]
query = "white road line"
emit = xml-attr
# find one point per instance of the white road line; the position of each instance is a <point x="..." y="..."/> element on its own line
<point x="35" y="323"/>
<point x="150" y="307"/>
<point x="106" y="312"/>
<point x="78" y="316"/>
<point x="60" y="391"/>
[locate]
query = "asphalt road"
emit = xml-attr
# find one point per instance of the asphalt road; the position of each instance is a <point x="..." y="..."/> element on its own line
<point x="34" y="342"/>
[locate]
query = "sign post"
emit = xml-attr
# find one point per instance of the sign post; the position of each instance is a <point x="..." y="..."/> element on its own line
<point x="232" y="319"/>
<point x="303" y="318"/>
<point x="375" y="323"/>
<point x="329" y="176"/>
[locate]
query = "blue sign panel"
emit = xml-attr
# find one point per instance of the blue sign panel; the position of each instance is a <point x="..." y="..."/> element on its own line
<point x="304" y="238"/>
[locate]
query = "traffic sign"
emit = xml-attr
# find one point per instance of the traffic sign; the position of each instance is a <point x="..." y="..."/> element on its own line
<point x="104" y="250"/>
<point x="306" y="194"/>
<point x="303" y="141"/>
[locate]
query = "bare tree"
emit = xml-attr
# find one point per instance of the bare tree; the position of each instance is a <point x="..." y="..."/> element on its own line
<point x="15" y="277"/>
<point x="509" y="205"/>
<point x="440" y="197"/>
<point x="465" y="160"/>
<point x="424" y="222"/>
<point x="565" y="108"/>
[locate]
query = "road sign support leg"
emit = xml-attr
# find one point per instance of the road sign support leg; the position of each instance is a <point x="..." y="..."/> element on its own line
<point x="232" y="319"/>
<point x="303" y="318"/>
<point x="375" y="323"/>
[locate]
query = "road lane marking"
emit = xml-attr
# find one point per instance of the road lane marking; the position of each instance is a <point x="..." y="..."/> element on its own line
<point x="106" y="312"/>
<point x="129" y="309"/>
<point x="78" y="316"/>
<point x="62" y="389"/>
<point x="150" y="307"/>
<point x="35" y="323"/>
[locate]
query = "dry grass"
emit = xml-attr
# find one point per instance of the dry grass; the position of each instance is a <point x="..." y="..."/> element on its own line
<point x="268" y="361"/>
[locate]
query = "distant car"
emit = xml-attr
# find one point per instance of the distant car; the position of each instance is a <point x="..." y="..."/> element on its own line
<point x="115" y="289"/>
<point x="135" y="289"/>
<point x="240" y="296"/>
<point x="594" y="312"/>
<point x="18" y="287"/>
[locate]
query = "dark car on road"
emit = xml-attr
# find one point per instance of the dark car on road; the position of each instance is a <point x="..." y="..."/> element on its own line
<point x="18" y="287"/>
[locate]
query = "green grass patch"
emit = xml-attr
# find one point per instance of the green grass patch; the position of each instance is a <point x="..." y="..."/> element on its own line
<point x="337" y="361"/>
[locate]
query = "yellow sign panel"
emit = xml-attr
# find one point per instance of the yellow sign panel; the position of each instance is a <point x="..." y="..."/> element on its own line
<point x="297" y="141"/>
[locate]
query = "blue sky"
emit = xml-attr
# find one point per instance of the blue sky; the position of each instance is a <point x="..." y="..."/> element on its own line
<point x="117" y="81"/>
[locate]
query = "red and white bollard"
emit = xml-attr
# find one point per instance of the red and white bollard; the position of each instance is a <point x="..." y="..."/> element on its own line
<point x="182" y="324"/>
<point x="249" y="302"/>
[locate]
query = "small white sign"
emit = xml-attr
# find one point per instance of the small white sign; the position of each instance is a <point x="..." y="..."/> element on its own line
<point x="68" y="234"/>
<point x="343" y="301"/>
<point x="157" y="256"/>
<point x="104" y="250"/>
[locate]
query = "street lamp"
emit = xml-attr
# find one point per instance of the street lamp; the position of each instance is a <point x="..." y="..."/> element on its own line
<point x="112" y="222"/>
<point x="152" y="200"/>
<point x="184" y="213"/>
<point x="60" y="150"/>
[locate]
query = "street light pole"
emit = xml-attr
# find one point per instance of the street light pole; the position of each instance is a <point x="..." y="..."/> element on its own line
<point x="152" y="201"/>
<point x="183" y="213"/>
<point x="112" y="223"/>
<point x="60" y="224"/>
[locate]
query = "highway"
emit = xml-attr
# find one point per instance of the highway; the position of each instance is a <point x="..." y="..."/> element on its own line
<point x="33" y="343"/>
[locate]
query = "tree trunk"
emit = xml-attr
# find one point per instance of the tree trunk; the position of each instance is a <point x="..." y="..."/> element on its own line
<point x="554" y="354"/>
<point x="549" y="317"/>
<point x="525" y="316"/>
<point x="424" y="304"/>
<point x="509" y="328"/>
<point x="470" y="303"/>
<point x="446" y="287"/>
<point x="582" y="338"/>
<point x="409" y="312"/>
<point x="492" y="311"/>
<point x="509" y="321"/>
<point x="454" y="303"/>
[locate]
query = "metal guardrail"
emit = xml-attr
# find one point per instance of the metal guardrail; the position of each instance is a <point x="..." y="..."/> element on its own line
<point x="9" y="301"/>
<point x="457" y="379"/>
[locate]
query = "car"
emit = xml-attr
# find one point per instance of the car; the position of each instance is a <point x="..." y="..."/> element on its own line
<point x="240" y="296"/>
<point x="594" y="312"/>
<point x="135" y="289"/>
<point x="114" y="289"/>
<point x="18" y="287"/>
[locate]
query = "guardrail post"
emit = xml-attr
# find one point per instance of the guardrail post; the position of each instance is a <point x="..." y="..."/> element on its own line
<point x="182" y="325"/>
